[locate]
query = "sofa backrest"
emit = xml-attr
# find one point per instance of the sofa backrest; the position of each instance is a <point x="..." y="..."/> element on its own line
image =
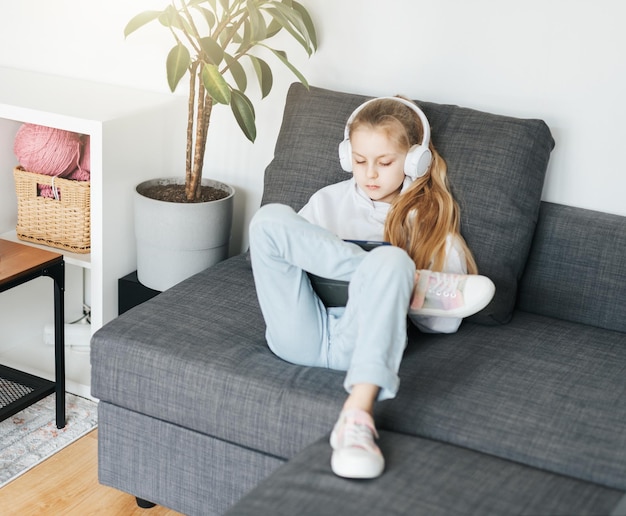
<point x="496" y="167"/>
<point x="577" y="267"/>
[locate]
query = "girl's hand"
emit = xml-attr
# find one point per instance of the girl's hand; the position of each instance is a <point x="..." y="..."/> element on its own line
<point x="419" y="291"/>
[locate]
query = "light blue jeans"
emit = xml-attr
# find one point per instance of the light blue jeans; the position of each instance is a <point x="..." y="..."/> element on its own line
<point x="366" y="338"/>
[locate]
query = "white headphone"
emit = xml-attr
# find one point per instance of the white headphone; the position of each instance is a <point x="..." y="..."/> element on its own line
<point x="417" y="159"/>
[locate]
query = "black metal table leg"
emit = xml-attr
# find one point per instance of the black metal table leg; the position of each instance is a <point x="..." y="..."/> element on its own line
<point x="57" y="273"/>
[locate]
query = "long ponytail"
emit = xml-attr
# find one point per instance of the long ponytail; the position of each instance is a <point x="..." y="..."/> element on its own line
<point x="422" y="217"/>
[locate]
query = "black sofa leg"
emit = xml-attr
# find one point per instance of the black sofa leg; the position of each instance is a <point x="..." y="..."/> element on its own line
<point x="144" y="504"/>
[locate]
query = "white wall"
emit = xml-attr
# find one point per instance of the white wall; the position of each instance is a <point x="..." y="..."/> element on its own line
<point x="559" y="60"/>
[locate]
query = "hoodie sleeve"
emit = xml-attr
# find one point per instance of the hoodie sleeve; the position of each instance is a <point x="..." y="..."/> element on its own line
<point x="316" y="210"/>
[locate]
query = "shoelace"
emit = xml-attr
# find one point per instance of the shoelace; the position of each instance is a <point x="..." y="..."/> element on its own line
<point x="442" y="284"/>
<point x="359" y="435"/>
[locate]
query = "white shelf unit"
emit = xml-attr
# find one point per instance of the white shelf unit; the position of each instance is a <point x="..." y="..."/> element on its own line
<point x="134" y="135"/>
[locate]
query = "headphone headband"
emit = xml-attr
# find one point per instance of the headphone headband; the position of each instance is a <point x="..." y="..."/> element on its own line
<point x="419" y="156"/>
<point x="408" y="103"/>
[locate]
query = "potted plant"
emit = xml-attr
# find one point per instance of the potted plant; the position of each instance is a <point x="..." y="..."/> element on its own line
<point x="213" y="39"/>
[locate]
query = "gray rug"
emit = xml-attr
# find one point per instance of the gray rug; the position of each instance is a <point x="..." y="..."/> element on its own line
<point x="31" y="436"/>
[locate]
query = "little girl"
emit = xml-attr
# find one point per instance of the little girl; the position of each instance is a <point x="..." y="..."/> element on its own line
<point x="398" y="193"/>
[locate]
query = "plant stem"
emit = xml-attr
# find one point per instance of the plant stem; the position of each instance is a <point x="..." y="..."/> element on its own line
<point x="190" y="119"/>
<point x="202" y="116"/>
<point x="192" y="25"/>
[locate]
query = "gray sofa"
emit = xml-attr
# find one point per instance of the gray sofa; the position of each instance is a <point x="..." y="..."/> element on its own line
<point x="522" y="411"/>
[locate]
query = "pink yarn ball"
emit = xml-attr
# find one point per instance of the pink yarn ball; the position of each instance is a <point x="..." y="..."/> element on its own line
<point x="79" y="174"/>
<point x="85" y="157"/>
<point x="83" y="171"/>
<point x="46" y="150"/>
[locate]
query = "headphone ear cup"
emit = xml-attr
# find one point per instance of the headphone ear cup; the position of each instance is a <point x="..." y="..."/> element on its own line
<point x="417" y="161"/>
<point x="345" y="155"/>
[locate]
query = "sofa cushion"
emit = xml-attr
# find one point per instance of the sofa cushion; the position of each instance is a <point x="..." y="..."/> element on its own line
<point x="496" y="169"/>
<point x="539" y="391"/>
<point x="577" y="267"/>
<point x="422" y="477"/>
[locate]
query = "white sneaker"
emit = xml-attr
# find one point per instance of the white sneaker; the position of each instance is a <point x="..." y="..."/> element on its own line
<point x="355" y="454"/>
<point x="450" y="295"/>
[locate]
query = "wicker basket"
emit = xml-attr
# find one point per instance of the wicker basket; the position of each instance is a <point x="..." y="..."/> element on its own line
<point x="63" y="223"/>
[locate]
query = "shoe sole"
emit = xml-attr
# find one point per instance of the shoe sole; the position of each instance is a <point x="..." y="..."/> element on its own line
<point x="352" y="468"/>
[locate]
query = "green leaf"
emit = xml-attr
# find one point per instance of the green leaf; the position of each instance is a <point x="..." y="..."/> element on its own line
<point x="170" y="17"/>
<point x="292" y="22"/>
<point x="264" y="75"/>
<point x="215" y="84"/>
<point x="244" y="41"/>
<point x="177" y="64"/>
<point x="308" y="23"/>
<point x="273" y="28"/>
<point x="227" y="34"/>
<point x="212" y="49"/>
<point x="139" y="21"/>
<point x="258" y="30"/>
<point x="244" y="114"/>
<point x="283" y="57"/>
<point x="237" y="71"/>
<point x="209" y="17"/>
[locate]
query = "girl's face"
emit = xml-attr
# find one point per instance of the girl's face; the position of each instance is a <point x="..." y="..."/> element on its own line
<point x="377" y="163"/>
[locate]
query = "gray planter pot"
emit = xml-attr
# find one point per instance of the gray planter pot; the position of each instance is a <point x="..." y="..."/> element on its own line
<point x="177" y="240"/>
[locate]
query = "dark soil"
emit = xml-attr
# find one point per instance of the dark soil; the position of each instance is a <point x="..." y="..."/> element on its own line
<point x="176" y="193"/>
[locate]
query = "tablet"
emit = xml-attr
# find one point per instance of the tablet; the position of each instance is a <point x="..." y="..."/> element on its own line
<point x="334" y="292"/>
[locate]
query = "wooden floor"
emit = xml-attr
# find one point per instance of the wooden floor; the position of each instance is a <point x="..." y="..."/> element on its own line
<point x="67" y="484"/>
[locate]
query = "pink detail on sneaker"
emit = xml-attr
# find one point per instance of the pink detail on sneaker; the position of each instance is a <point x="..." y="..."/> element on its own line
<point x="444" y="291"/>
<point x="440" y="294"/>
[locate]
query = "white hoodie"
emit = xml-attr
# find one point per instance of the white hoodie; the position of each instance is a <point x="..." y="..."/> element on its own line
<point x="347" y="211"/>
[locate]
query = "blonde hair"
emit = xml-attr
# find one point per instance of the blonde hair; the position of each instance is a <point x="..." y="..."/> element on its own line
<point x="420" y="218"/>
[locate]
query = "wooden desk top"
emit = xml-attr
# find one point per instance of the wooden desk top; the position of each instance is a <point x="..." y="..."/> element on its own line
<point x="19" y="259"/>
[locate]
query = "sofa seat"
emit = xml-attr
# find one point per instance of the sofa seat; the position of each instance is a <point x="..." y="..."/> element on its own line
<point x="538" y="390"/>
<point x="424" y="477"/>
